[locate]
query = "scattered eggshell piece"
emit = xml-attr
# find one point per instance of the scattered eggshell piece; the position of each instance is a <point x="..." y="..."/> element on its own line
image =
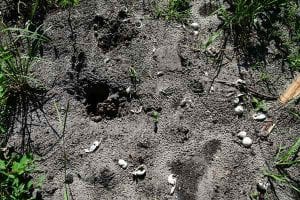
<point x="128" y="90"/>
<point x="139" y="171"/>
<point x="247" y="142"/>
<point x="160" y="73"/>
<point x="242" y="134"/>
<point x="240" y="82"/>
<point x="93" y="147"/>
<point x="195" y="25"/>
<point x="172" y="180"/>
<point x="123" y="163"/>
<point x="173" y="189"/>
<point x="239" y="109"/>
<point x="259" y="116"/>
<point x="262" y="187"/>
<point x="236" y="101"/>
<point x="185" y="101"/>
<point x="137" y="111"/>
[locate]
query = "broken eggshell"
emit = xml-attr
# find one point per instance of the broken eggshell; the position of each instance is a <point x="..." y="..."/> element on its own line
<point x="137" y="111"/>
<point x="122" y="163"/>
<point x="172" y="181"/>
<point x="93" y="147"/>
<point x="236" y="101"/>
<point x="259" y="116"/>
<point x="239" y="109"/>
<point x="247" y="142"/>
<point x="242" y="134"/>
<point x="195" y="25"/>
<point x="139" y="171"/>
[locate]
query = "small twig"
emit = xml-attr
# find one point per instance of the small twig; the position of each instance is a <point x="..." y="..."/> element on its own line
<point x="247" y="89"/>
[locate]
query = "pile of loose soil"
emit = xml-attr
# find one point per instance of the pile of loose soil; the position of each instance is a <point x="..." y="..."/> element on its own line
<point x="87" y="64"/>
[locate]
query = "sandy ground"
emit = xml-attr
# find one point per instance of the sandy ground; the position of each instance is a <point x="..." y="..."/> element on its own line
<point x="197" y="141"/>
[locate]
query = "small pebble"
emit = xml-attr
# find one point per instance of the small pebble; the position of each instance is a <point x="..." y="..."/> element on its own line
<point x="123" y="163"/>
<point x="195" y="26"/>
<point x="247" y="142"/>
<point x="196" y="33"/>
<point x="239" y="110"/>
<point x="242" y="134"/>
<point x="259" y="116"/>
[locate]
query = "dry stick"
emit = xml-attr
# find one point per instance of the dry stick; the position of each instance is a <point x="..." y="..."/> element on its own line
<point x="248" y="89"/>
<point x="219" y="60"/>
<point x="63" y="124"/>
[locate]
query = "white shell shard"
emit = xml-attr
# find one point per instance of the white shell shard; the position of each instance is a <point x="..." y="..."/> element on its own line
<point x="195" y="25"/>
<point x="242" y="134"/>
<point x="123" y="163"/>
<point x="236" y="101"/>
<point x="160" y="73"/>
<point x="240" y="82"/>
<point x="139" y="171"/>
<point x="128" y="90"/>
<point x="93" y="147"/>
<point x="186" y="102"/>
<point x="239" y="110"/>
<point x="173" y="189"/>
<point x="247" y="142"/>
<point x="259" y="116"/>
<point x="137" y="111"/>
<point x="172" y="179"/>
<point x="263" y="187"/>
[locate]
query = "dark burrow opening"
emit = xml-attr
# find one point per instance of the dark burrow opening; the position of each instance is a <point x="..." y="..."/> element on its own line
<point x="95" y="94"/>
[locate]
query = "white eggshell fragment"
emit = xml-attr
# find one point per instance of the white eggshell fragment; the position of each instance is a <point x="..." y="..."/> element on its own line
<point x="236" y="101"/>
<point x="160" y="73"/>
<point x="93" y="147"/>
<point x="140" y="171"/>
<point x="259" y="116"/>
<point x="172" y="179"/>
<point x="240" y="82"/>
<point x="247" y="142"/>
<point x="239" y="110"/>
<point x="123" y="163"/>
<point x="128" y="90"/>
<point x="242" y="134"/>
<point x="195" y="25"/>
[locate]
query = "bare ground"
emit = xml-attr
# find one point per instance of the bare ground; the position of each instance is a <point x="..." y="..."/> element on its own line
<point x="197" y="141"/>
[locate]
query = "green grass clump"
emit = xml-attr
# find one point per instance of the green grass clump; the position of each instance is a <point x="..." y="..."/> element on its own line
<point x="68" y="3"/>
<point x="19" y="48"/>
<point x="286" y="161"/>
<point x="18" y="51"/>
<point x="253" y="24"/>
<point x="16" y="182"/>
<point x="175" y="10"/>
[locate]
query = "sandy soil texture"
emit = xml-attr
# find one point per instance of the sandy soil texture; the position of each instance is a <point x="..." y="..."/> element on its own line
<point x="87" y="64"/>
